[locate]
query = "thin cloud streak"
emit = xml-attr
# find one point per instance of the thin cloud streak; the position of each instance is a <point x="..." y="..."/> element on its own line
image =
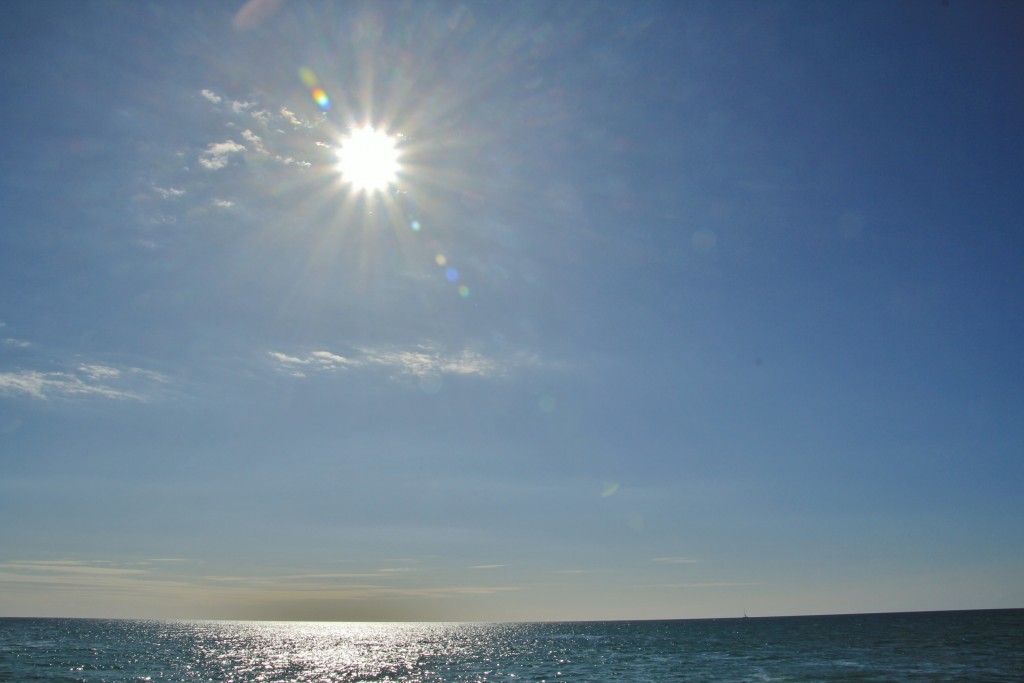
<point x="70" y="567"/>
<point x="706" y="584"/>
<point x="674" y="560"/>
<point x="86" y="380"/>
<point x="421" y="362"/>
<point x="168" y="192"/>
<point x="96" y="575"/>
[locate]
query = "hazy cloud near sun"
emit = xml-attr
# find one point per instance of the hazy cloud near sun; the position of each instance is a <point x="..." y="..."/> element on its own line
<point x="257" y="144"/>
<point x="217" y="155"/>
<point x="255" y="110"/>
<point x="258" y="131"/>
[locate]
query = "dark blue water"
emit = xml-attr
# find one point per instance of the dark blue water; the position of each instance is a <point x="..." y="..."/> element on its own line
<point x="924" y="646"/>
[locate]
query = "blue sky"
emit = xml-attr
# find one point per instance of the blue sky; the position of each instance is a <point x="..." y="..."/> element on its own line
<point x="674" y="310"/>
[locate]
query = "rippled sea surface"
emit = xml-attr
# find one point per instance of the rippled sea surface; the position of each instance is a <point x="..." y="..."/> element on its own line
<point x="926" y="646"/>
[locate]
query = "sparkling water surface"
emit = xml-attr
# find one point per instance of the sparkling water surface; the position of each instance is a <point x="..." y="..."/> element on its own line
<point x="926" y="646"/>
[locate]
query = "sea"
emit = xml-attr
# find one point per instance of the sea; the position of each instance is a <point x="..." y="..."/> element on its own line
<point x="976" y="646"/>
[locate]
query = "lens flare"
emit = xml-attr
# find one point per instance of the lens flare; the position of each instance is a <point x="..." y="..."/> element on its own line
<point x="321" y="99"/>
<point x="308" y="77"/>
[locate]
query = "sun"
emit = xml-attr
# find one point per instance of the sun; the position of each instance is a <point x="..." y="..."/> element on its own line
<point x="368" y="159"/>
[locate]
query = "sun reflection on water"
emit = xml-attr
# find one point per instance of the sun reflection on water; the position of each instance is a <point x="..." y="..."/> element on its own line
<point x="281" y="651"/>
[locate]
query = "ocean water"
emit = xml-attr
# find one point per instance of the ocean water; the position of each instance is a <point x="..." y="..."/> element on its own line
<point x="974" y="646"/>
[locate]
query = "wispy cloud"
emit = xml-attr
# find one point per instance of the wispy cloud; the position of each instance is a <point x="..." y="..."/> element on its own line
<point x="29" y="570"/>
<point x="674" y="560"/>
<point x="167" y="559"/>
<point x="168" y="192"/>
<point x="322" y="580"/>
<point x="706" y="584"/>
<point x="99" y="372"/>
<point x="217" y="155"/>
<point x="257" y="144"/>
<point x="255" y="140"/>
<point x="263" y="116"/>
<point x="331" y="576"/>
<point x="106" y="581"/>
<point x="360" y="586"/>
<point x="16" y="343"/>
<point x="236" y="106"/>
<point x="487" y="566"/>
<point x="425" y="361"/>
<point x="105" y="381"/>
<point x="122" y="586"/>
<point x="290" y="117"/>
<point x="316" y="361"/>
<point x="45" y="385"/>
<point x="420" y="362"/>
<point x="260" y="130"/>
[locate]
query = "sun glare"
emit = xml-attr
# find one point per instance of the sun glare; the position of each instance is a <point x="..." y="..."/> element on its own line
<point x="368" y="159"/>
